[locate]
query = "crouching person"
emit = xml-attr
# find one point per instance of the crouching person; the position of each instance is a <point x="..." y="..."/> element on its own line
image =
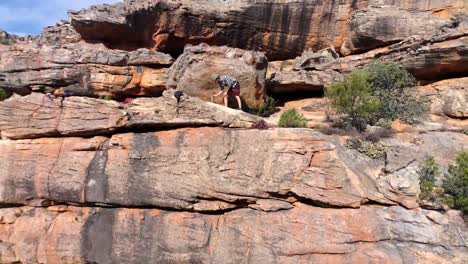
<point x="228" y="85"/>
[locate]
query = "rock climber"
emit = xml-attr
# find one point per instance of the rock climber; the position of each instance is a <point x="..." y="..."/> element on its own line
<point x="228" y="85"/>
<point x="177" y="96"/>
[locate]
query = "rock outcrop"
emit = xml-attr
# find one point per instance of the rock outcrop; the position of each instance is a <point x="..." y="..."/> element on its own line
<point x="83" y="69"/>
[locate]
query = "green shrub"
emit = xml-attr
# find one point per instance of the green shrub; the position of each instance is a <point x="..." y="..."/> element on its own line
<point x="353" y="97"/>
<point x="105" y="97"/>
<point x="292" y="118"/>
<point x="428" y="171"/>
<point x="3" y="94"/>
<point x="267" y="108"/>
<point x="394" y="87"/>
<point x="377" y="94"/>
<point x="368" y="148"/>
<point x="456" y="183"/>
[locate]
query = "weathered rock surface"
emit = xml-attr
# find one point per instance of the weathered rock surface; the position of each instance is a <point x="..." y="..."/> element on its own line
<point x="83" y="69"/>
<point x="181" y="168"/>
<point x="60" y="34"/>
<point x="308" y="73"/>
<point x="36" y="116"/>
<point x="432" y="57"/>
<point x="399" y="181"/>
<point x="386" y="22"/>
<point x="282" y="29"/>
<point x="192" y="71"/>
<point x="304" y="234"/>
<point x="448" y="97"/>
<point x="189" y="168"/>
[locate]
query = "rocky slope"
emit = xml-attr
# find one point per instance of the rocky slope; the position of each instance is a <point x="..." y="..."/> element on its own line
<point x="87" y="180"/>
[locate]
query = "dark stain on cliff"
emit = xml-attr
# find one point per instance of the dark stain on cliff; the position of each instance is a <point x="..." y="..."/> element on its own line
<point x="96" y="182"/>
<point x="144" y="149"/>
<point x="21" y="185"/>
<point x="307" y="10"/>
<point x="97" y="234"/>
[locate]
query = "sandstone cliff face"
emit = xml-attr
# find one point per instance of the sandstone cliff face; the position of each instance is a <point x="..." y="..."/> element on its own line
<point x="85" y="180"/>
<point x="282" y="29"/>
<point x="282" y="195"/>
<point x="302" y="235"/>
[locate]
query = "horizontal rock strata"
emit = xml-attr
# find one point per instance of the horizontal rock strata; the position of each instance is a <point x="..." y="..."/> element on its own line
<point x="36" y="115"/>
<point x="84" y="69"/>
<point x="371" y="234"/>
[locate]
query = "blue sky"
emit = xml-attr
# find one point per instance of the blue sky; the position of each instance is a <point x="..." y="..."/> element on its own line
<point x="31" y="16"/>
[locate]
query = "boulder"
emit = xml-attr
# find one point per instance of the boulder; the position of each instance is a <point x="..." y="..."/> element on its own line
<point x="371" y="234"/>
<point x="321" y="60"/>
<point x="192" y="71"/>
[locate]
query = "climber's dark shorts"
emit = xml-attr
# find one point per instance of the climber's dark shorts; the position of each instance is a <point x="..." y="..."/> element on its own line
<point x="235" y="90"/>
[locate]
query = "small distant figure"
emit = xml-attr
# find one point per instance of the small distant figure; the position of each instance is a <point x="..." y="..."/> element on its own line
<point x="178" y="95"/>
<point x="227" y="85"/>
<point x="139" y="69"/>
<point x="50" y="96"/>
<point x="62" y="93"/>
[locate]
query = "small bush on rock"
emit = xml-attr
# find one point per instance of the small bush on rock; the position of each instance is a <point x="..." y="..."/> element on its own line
<point x="456" y="183"/>
<point x="353" y="97"/>
<point x="454" y="191"/>
<point x="267" y="108"/>
<point x="394" y="87"/>
<point x="3" y="94"/>
<point x="368" y="148"/>
<point x="292" y="118"/>
<point x="428" y="172"/>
